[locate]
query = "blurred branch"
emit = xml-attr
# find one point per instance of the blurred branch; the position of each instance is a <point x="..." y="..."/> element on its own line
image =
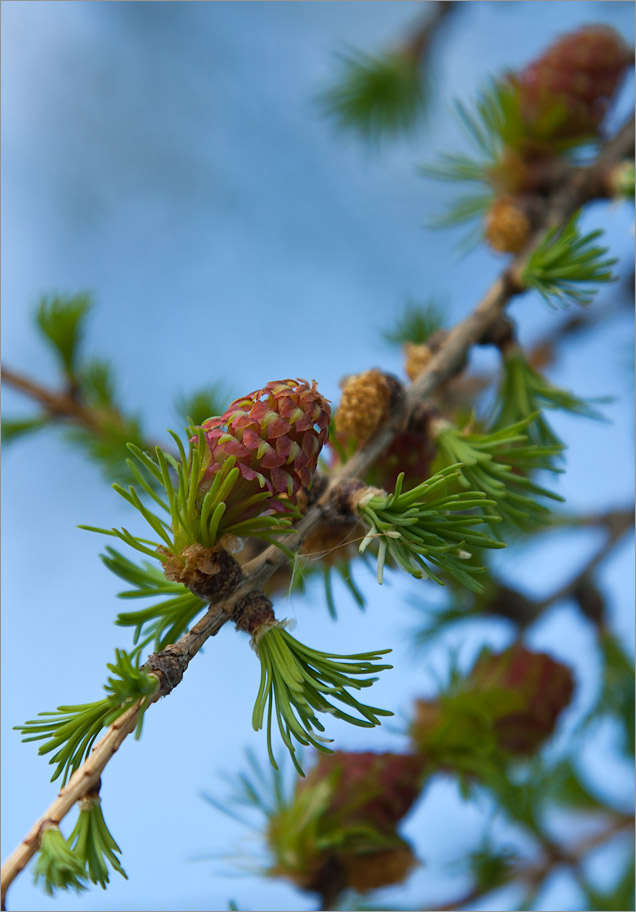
<point x="617" y="523"/>
<point x="58" y="405"/>
<point x="103" y="428"/>
<point x="461" y="391"/>
<point x="534" y="873"/>
<point x="425" y="33"/>
<point x="584" y="184"/>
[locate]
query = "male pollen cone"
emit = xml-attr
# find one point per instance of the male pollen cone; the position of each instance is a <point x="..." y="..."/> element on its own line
<point x="364" y="404"/>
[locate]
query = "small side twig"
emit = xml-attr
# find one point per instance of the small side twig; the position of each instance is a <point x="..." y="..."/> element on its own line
<point x="534" y="873"/>
<point x="59" y="405"/>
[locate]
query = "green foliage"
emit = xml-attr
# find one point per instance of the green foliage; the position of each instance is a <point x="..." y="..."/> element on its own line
<point x="61" y="322"/>
<point x="498" y="464"/>
<point x="466" y="209"/>
<point x="491" y="865"/>
<point x="416" y="323"/>
<point x="92" y="841"/>
<point x="616" y="697"/>
<point x="108" y="445"/>
<point x="264" y="789"/>
<point x="494" y="125"/>
<point x="427" y="528"/>
<point x="165" y="621"/>
<point x="567" y="266"/>
<point x="295" y="681"/>
<point x="192" y="518"/>
<point x="565" y="785"/>
<point x="97" y="384"/>
<point x="524" y="392"/>
<point x="56" y="865"/>
<point x="72" y="730"/>
<point x="376" y="96"/>
<point x="497" y="122"/>
<point x="197" y="407"/>
<point x="343" y="570"/>
<point x="622" y="179"/>
<point x="463" y="737"/>
<point x="618" y="897"/>
<point x="12" y="428"/>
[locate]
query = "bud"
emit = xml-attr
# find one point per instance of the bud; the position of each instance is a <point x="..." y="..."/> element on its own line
<point x="275" y="434"/>
<point x="364" y="404"/>
<point x="565" y="93"/>
<point x="417" y="357"/>
<point x="507" y="227"/>
<point x="620" y="181"/>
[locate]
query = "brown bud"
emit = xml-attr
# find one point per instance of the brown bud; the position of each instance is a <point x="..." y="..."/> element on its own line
<point x="501" y="334"/>
<point x="252" y="611"/>
<point x="209" y="573"/>
<point x="507" y="228"/>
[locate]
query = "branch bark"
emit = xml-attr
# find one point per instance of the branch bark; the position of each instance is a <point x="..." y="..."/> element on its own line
<point x="56" y="404"/>
<point x="584" y="184"/>
<point x="534" y="873"/>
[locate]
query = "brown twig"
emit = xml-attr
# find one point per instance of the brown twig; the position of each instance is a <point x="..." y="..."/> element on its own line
<point x="257" y="571"/>
<point x="425" y="33"/>
<point x="617" y="523"/>
<point x="534" y="873"/>
<point x="58" y="405"/>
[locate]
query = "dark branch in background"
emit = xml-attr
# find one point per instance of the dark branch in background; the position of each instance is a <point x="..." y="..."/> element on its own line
<point x="424" y="34"/>
<point x="462" y="390"/>
<point x="512" y="604"/>
<point x="617" y="523"/>
<point x="534" y="873"/>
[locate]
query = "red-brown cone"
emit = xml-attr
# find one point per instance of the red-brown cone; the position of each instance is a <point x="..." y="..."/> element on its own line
<point x="275" y="433"/>
<point x="565" y="93"/>
<point x="340" y="830"/>
<point x="370" y="788"/>
<point x="366" y="871"/>
<point x="544" y="685"/>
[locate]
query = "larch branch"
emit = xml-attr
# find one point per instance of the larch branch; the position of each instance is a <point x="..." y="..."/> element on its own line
<point x="583" y="185"/>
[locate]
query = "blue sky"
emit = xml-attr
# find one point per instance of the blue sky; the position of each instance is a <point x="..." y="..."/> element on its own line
<point x="170" y="158"/>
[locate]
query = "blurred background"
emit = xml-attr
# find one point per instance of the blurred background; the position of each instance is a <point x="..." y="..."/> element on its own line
<point x="172" y="160"/>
